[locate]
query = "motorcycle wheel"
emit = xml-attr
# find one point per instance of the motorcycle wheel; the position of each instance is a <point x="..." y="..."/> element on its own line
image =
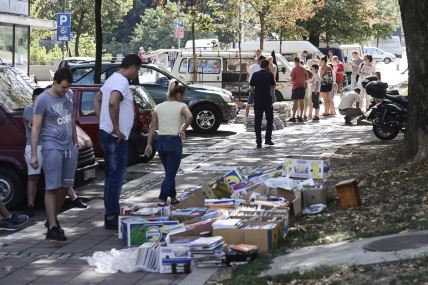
<point x="385" y="133"/>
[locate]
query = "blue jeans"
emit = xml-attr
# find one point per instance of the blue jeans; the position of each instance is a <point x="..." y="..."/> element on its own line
<point x="169" y="149"/>
<point x="116" y="162"/>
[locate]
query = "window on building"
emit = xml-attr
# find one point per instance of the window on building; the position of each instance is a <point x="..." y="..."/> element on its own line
<point x="21" y="48"/>
<point x="6" y="44"/>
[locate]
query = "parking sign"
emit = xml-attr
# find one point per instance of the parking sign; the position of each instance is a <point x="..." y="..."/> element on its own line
<point x="63" y="23"/>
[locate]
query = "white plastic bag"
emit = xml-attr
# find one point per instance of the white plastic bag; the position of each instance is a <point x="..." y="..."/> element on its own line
<point x="115" y="260"/>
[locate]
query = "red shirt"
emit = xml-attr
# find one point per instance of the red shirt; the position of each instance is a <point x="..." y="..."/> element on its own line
<point x="339" y="69"/>
<point x="298" y="77"/>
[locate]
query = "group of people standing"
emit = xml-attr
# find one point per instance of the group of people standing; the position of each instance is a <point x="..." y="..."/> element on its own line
<point x="314" y="81"/>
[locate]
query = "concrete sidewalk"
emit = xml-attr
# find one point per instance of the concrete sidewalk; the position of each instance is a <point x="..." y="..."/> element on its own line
<point x="343" y="253"/>
<point x="27" y="258"/>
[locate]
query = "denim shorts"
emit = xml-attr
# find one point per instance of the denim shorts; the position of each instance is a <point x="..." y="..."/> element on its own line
<point x="251" y="97"/>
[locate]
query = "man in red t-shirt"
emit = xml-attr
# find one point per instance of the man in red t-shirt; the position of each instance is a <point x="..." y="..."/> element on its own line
<point x="339" y="69"/>
<point x="298" y="80"/>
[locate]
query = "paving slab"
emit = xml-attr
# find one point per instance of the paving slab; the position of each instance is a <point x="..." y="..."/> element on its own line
<point x="343" y="253"/>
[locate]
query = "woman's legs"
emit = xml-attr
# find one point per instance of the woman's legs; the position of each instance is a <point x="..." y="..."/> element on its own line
<point x="326" y="102"/>
<point x="332" y="110"/>
<point x="170" y="151"/>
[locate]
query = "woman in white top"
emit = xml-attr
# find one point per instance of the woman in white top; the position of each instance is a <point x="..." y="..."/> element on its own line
<point x="366" y="69"/>
<point x="171" y="118"/>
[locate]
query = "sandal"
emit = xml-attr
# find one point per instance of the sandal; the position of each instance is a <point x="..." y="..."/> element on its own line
<point x="162" y="204"/>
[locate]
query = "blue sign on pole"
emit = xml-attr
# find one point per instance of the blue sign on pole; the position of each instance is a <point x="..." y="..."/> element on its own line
<point x="63" y="23"/>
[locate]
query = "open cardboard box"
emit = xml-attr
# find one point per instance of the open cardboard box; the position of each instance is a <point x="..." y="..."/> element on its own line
<point x="265" y="238"/>
<point x="295" y="199"/>
<point x="195" y="200"/>
<point x="314" y="196"/>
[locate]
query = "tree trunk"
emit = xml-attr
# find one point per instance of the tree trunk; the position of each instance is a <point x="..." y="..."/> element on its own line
<point x="78" y="33"/>
<point x="98" y="41"/>
<point x="415" y="146"/>
<point x="262" y="30"/>
<point x="314" y="38"/>
<point x="281" y="32"/>
<point x="377" y="42"/>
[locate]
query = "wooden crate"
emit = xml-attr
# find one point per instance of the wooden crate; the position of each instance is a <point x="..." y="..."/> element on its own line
<point x="348" y="194"/>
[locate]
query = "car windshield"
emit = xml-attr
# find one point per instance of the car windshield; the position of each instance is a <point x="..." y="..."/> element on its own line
<point x="144" y="76"/>
<point x="142" y="98"/>
<point x="15" y="92"/>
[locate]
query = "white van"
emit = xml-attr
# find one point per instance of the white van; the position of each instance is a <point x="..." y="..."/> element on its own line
<point x="203" y="44"/>
<point x="290" y="49"/>
<point x="222" y="69"/>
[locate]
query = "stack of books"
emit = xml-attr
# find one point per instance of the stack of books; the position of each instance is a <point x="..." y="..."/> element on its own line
<point x="227" y="224"/>
<point x="148" y="257"/>
<point x="207" y="251"/>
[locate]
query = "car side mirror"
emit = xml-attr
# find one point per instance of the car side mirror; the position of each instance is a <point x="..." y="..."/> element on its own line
<point x="283" y="69"/>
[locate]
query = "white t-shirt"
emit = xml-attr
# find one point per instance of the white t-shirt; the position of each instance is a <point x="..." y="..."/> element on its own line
<point x="253" y="69"/>
<point x="117" y="82"/>
<point x="348" y="100"/>
<point x="170" y="118"/>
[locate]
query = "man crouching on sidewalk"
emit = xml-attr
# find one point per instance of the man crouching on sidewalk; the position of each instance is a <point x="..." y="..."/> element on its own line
<point x="347" y="109"/>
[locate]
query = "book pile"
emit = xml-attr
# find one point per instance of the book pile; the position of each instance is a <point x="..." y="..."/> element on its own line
<point x="227" y="224"/>
<point x="207" y="251"/>
<point x="241" y="254"/>
<point x="148" y="257"/>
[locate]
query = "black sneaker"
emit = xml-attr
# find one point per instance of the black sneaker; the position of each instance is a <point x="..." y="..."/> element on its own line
<point x="269" y="143"/>
<point x="55" y="233"/>
<point x="316" y="118"/>
<point x="78" y="203"/>
<point x="300" y="120"/>
<point x="17" y="220"/>
<point x="348" y="123"/>
<point x="292" y="120"/>
<point x="111" y="224"/>
<point x="30" y="211"/>
<point x="259" y="145"/>
<point x="57" y="223"/>
<point x="6" y="226"/>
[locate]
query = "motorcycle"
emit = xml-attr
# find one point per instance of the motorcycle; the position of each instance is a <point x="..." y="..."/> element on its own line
<point x="389" y="115"/>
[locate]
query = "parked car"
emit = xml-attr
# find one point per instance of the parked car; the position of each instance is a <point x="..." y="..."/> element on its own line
<point x="379" y="55"/>
<point x="89" y="122"/>
<point x="210" y="106"/>
<point x="15" y="94"/>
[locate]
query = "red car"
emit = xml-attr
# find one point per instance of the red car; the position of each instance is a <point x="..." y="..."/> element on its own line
<point x="15" y="94"/>
<point x="89" y="122"/>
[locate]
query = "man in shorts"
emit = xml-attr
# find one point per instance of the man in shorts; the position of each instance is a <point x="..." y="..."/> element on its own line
<point x="54" y="124"/>
<point x="253" y="69"/>
<point x="298" y="80"/>
<point x="347" y="109"/>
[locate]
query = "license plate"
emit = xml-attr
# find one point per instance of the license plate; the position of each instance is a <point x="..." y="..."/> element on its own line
<point x="89" y="174"/>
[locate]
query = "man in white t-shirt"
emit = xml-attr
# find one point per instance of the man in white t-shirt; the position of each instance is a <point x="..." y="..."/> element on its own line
<point x="346" y="106"/>
<point x="253" y="69"/>
<point x="114" y="105"/>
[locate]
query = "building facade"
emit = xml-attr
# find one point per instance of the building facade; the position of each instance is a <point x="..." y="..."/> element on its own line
<point x="15" y="28"/>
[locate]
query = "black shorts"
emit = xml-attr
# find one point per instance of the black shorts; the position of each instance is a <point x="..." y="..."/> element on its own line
<point x="326" y="88"/>
<point x="316" y="100"/>
<point x="298" y="93"/>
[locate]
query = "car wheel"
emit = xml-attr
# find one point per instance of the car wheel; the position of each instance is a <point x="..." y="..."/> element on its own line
<point x="387" y="60"/>
<point x="145" y="158"/>
<point x="133" y="155"/>
<point x="12" y="191"/>
<point x="278" y="96"/>
<point x="206" y="119"/>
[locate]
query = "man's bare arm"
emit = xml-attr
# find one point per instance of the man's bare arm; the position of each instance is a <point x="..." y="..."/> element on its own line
<point x="97" y="103"/>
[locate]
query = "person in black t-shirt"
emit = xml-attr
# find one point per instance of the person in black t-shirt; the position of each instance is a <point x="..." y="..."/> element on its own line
<point x="261" y="84"/>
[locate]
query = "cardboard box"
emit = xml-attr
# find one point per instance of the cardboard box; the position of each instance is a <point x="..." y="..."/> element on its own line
<point x="216" y="189"/>
<point x="174" y="259"/>
<point x="193" y="231"/>
<point x="306" y="168"/>
<point x="314" y="196"/>
<point x="264" y="235"/>
<point x="195" y="199"/>
<point x="295" y="199"/>
<point x="136" y="231"/>
<point x="143" y="218"/>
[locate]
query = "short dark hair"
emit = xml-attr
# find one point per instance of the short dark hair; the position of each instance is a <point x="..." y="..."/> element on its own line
<point x="261" y="58"/>
<point x="354" y="52"/>
<point x="324" y="58"/>
<point x="264" y="63"/>
<point x="296" y="59"/>
<point x="315" y="66"/>
<point x="38" y="91"/>
<point x="369" y="57"/>
<point x="131" y="60"/>
<point x="63" y="74"/>
<point x="175" y="88"/>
